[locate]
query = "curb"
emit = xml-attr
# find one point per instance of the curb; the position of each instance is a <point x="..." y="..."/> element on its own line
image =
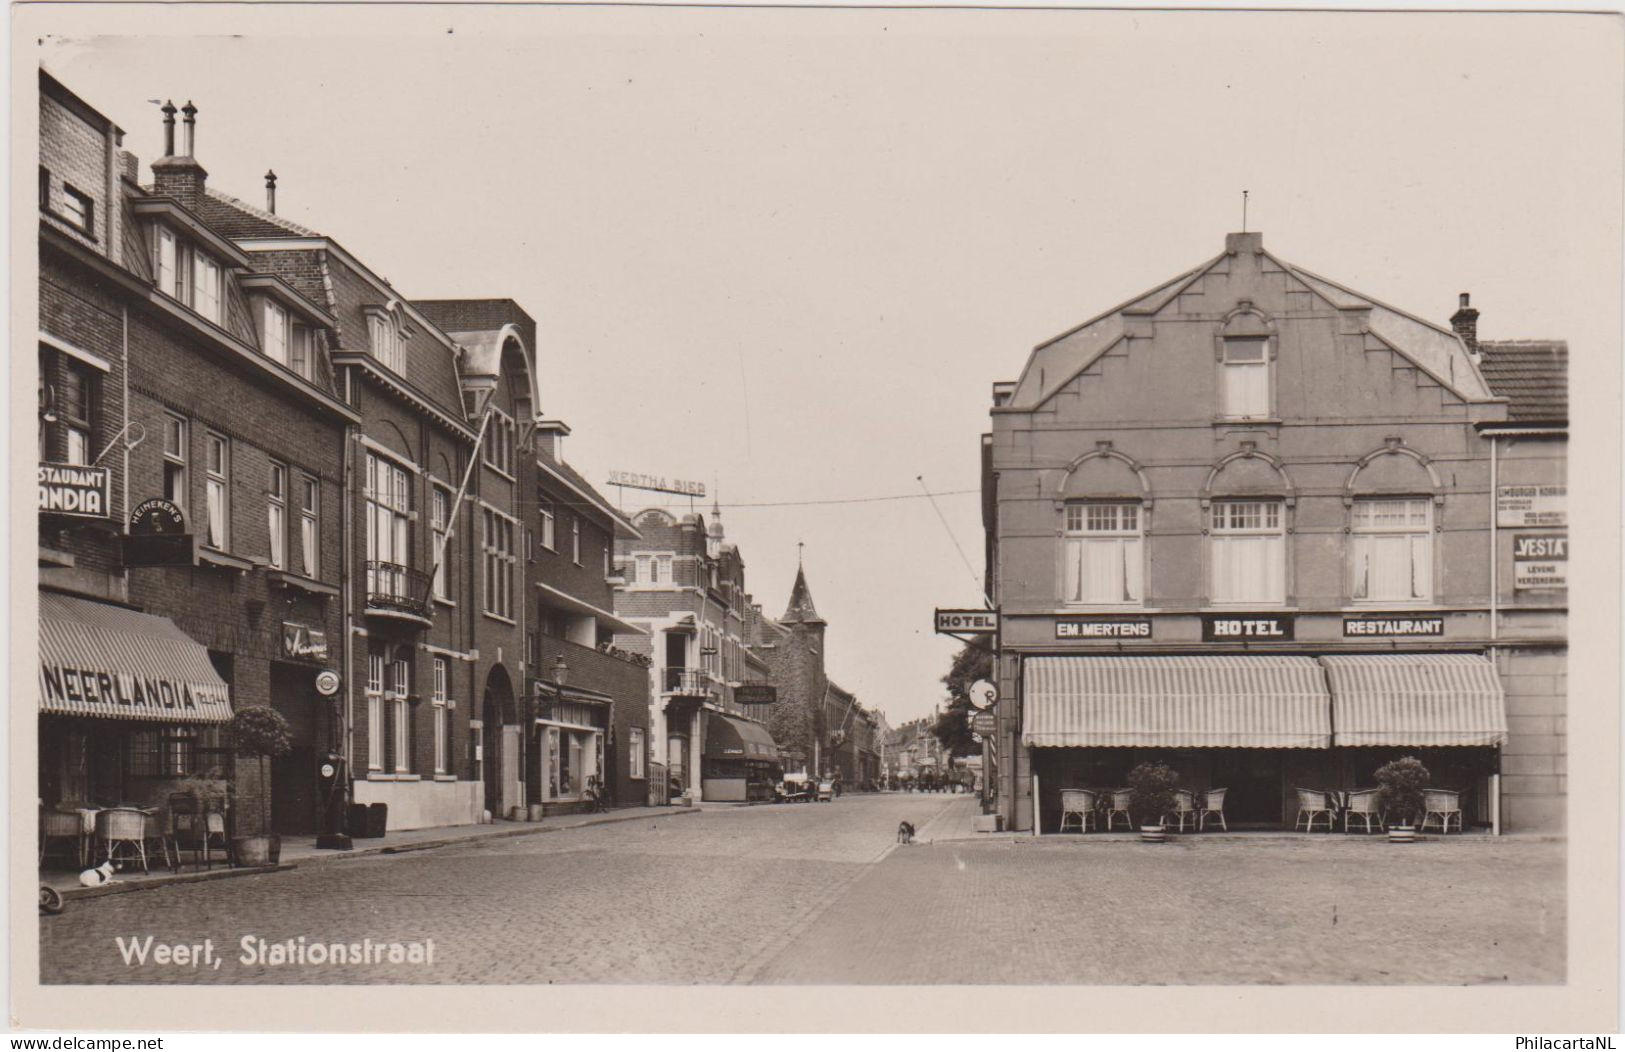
<point x="1247" y="838"/>
<point x="72" y="894"/>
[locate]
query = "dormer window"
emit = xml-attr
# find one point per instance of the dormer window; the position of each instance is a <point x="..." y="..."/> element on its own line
<point x="189" y="275"/>
<point x="1246" y="377"/>
<point x="388" y="338"/>
<point x="287" y="341"/>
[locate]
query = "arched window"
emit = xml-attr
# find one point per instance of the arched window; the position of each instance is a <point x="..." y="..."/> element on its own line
<point x="1246" y="354"/>
<point x="1248" y="498"/>
<point x="1104" y="504"/>
<point x="1391" y="496"/>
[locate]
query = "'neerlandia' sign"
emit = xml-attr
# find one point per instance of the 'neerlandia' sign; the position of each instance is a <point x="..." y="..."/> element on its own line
<point x="1245" y="628"/>
<point x="67" y="489"/>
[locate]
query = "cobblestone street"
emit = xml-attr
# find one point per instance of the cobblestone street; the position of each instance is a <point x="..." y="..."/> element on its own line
<point x="822" y="893"/>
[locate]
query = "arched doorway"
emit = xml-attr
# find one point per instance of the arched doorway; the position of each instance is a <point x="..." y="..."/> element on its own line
<point x="500" y="738"/>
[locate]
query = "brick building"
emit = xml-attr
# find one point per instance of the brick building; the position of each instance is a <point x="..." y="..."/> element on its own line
<point x="217" y="430"/>
<point x="1275" y="532"/>
<point x="681" y="585"/>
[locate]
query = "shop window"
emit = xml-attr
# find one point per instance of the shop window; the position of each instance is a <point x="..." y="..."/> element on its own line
<point x="1248" y="547"/>
<point x="175" y="458"/>
<point x="276" y="513"/>
<point x="1246" y="384"/>
<point x="1391" y="551"/>
<point x="1103" y="554"/>
<point x="217" y="489"/>
<point x="168" y="752"/>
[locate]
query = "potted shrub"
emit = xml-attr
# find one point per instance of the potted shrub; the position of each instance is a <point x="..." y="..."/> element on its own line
<point x="1399" y="793"/>
<point x="1152" y="786"/>
<point x="261" y="732"/>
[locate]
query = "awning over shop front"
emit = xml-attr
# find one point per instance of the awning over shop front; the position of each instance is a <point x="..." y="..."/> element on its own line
<point x="731" y="738"/>
<point x="1250" y="702"/>
<point x="102" y="660"/>
<point x="1416" y="699"/>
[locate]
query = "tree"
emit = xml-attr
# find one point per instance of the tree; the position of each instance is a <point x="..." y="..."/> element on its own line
<point x="952" y="728"/>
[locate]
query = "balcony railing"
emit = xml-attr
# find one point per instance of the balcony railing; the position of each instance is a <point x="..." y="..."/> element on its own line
<point x="396" y="589"/>
<point x="688" y="682"/>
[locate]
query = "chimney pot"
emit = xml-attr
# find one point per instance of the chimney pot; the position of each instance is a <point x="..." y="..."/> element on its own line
<point x="169" y="128"/>
<point x="190" y="112"/>
<point x="270" y="191"/>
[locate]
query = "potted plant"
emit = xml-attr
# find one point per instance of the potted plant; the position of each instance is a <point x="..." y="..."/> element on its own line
<point x="1152" y="785"/>
<point x="261" y="732"/>
<point x="1399" y="793"/>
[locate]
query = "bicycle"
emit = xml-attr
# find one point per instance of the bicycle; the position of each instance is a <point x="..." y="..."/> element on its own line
<point x="596" y="797"/>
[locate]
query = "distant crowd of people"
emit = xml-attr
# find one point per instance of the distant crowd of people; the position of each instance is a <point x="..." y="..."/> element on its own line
<point x="933" y="782"/>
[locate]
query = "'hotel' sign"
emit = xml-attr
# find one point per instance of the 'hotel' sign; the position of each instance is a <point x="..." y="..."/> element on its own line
<point x="1245" y="628"/>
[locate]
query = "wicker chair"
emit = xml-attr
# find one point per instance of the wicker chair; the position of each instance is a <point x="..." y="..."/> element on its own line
<point x="118" y="827"/>
<point x="1079" y="804"/>
<point x="156" y="833"/>
<point x="1121" y="801"/>
<point x="1443" y="804"/>
<point x="1363" y="805"/>
<point x="1184" y="809"/>
<point x="1212" y="804"/>
<point x="1312" y="805"/>
<point x="62" y="826"/>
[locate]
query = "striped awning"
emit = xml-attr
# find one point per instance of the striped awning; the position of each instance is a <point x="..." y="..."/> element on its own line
<point x="1254" y="702"/>
<point x="1416" y="699"/>
<point x="102" y="660"/>
<point x="732" y="738"/>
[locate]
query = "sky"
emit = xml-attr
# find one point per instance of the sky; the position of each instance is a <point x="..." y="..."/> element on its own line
<point x="787" y="252"/>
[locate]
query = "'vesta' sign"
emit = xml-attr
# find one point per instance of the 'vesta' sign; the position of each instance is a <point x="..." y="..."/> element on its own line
<point x="972" y="621"/>
<point x="1245" y="628"/>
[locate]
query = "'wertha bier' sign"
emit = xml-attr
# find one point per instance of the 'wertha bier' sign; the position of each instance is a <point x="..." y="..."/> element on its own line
<point x="633" y="480"/>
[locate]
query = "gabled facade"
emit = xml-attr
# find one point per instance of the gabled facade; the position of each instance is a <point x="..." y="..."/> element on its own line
<point x="205" y="575"/>
<point x="1220" y="516"/>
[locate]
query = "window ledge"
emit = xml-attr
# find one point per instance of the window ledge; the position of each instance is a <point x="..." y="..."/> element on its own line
<point x="499" y="617"/>
<point x="446" y="602"/>
<point x="224" y="560"/>
<point x="1245" y="421"/>
<point x="445" y="777"/>
<point x="399" y="776"/>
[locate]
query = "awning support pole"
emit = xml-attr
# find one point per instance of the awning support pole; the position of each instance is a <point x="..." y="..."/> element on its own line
<point x="1038" y="819"/>
<point x="1495" y="804"/>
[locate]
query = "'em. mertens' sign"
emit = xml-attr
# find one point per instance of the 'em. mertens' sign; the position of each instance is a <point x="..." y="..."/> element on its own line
<point x="70" y="489"/>
<point x="633" y="480"/>
<point x="975" y="622"/>
<point x="1532" y="506"/>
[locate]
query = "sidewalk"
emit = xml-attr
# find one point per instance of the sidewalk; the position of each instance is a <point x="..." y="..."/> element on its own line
<point x="302" y="850"/>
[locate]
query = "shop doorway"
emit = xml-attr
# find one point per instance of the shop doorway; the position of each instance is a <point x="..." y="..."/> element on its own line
<point x="294" y="795"/>
<point x="501" y="741"/>
<point x="1254" y="778"/>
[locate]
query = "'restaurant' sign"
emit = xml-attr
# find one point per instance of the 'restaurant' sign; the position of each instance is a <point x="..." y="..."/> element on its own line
<point x="1102" y="628"/>
<point x="1245" y="628"/>
<point x="304" y="642"/>
<point x="1532" y="506"/>
<point x="633" y="480"/>
<point x="1392" y="625"/>
<point x="975" y="622"/>
<point x="68" y="489"/>
<point x="1540" y="561"/>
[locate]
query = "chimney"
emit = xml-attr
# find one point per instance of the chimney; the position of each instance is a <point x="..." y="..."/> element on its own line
<point x="179" y="175"/>
<point x="1251" y="241"/>
<point x="270" y="191"/>
<point x="129" y="166"/>
<point x="1465" y="322"/>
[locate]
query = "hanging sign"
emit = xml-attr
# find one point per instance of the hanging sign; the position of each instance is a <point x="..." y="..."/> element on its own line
<point x="1540" y="561"/>
<point x="982" y="694"/>
<point x="327" y="683"/>
<point x="1102" y="628"/>
<point x="158" y="536"/>
<point x="984" y="723"/>
<point x="67" y="489"/>
<point x="304" y="642"/>
<point x="1532" y="506"/>
<point x="756" y="694"/>
<point x="1245" y="628"/>
<point x="971" y="622"/>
